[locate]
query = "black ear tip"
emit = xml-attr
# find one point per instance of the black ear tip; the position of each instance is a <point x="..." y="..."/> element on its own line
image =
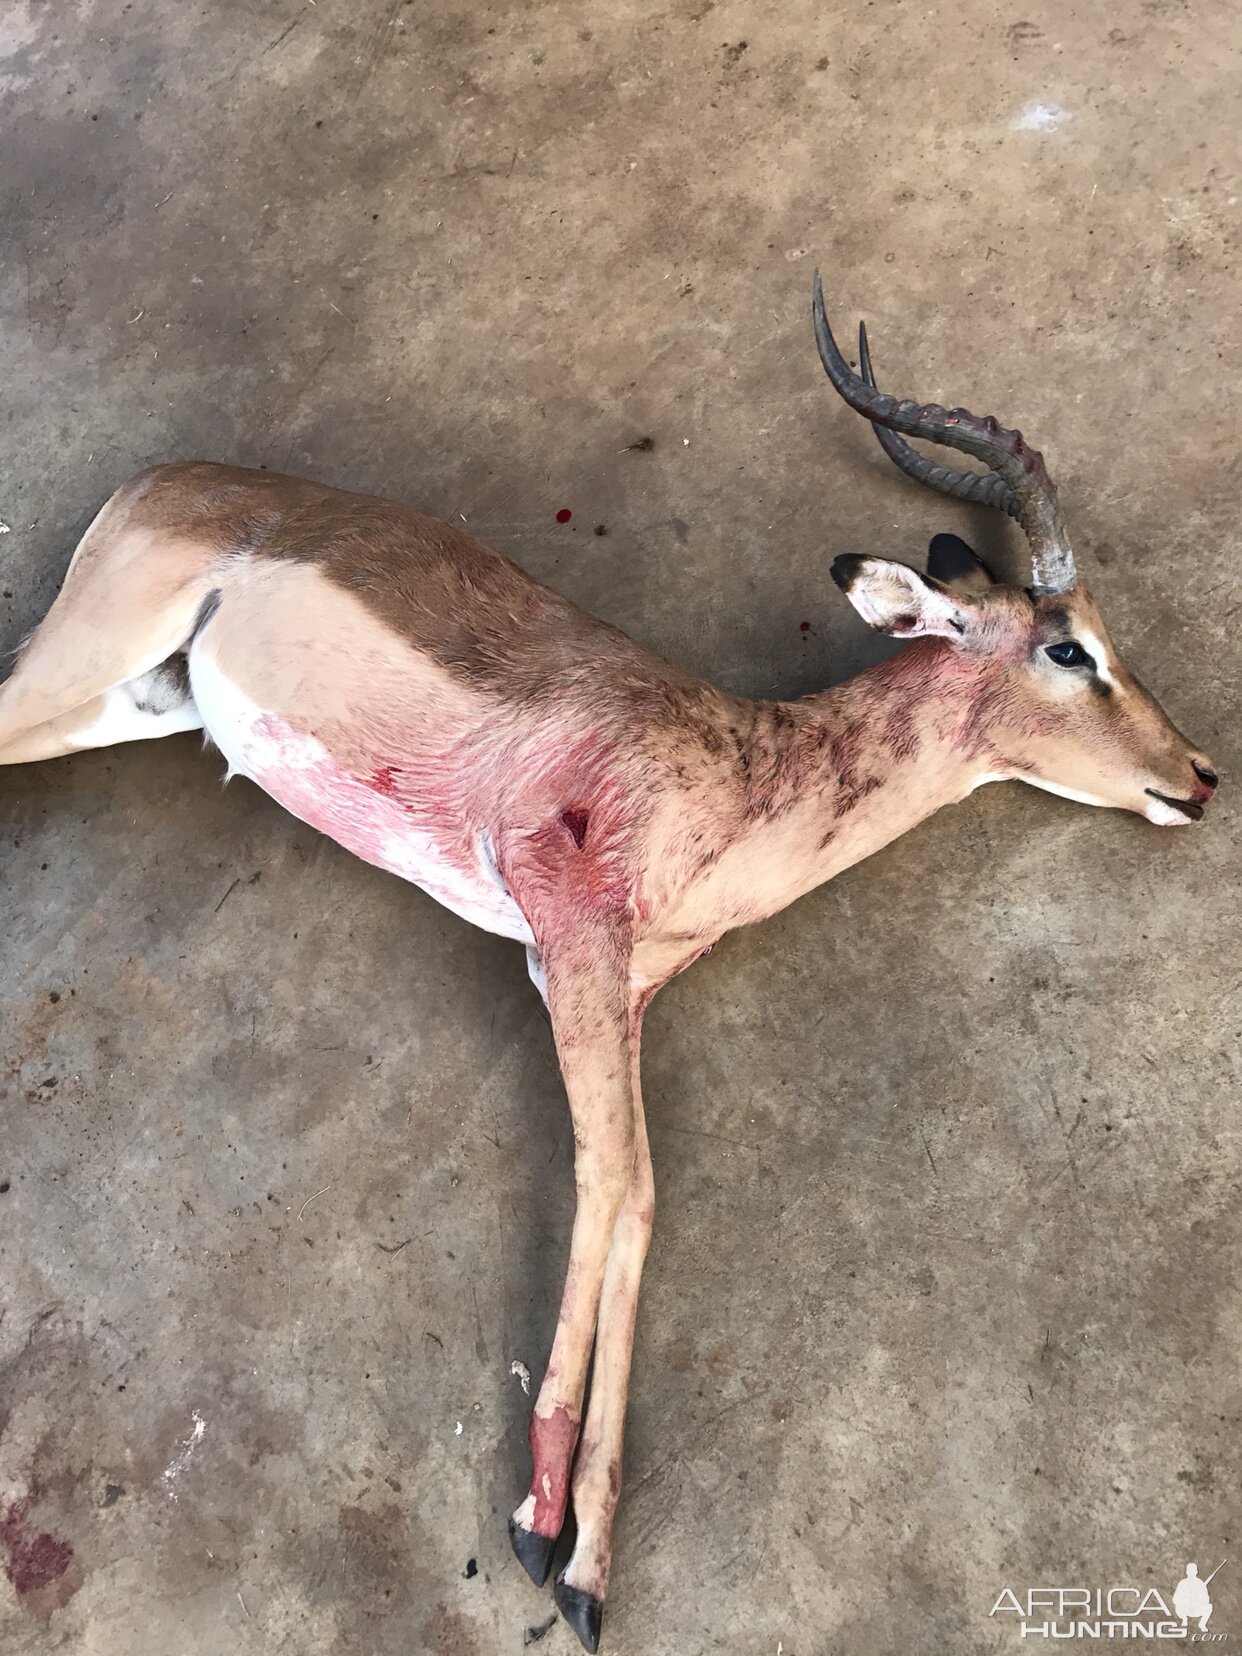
<point x="950" y="559"/>
<point x="947" y="543"/>
<point x="845" y="569"/>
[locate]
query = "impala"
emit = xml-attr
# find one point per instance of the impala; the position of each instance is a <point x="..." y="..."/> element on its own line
<point x="421" y="699"/>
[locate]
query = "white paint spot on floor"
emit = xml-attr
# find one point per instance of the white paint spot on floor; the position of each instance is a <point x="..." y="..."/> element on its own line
<point x="184" y="1455"/>
<point x="1040" y="117"/>
<point x="523" y="1374"/>
<point x="458" y="1429"/>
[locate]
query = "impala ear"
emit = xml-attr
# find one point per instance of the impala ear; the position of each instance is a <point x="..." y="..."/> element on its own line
<point x="896" y="599"/>
<point x="950" y="560"/>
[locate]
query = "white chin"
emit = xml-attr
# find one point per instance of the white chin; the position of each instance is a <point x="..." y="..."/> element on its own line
<point x="1075" y="794"/>
<point x="1165" y="816"/>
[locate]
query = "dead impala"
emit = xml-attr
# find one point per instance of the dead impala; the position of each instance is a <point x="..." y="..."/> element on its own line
<point x="421" y="699"/>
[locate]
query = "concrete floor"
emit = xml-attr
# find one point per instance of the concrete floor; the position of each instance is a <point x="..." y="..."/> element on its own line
<point x="944" y="1293"/>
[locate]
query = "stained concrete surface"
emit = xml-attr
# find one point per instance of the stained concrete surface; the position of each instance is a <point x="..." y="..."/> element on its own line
<point x="944" y="1292"/>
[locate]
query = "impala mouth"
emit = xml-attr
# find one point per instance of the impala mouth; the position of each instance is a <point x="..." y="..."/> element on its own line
<point x="1186" y="806"/>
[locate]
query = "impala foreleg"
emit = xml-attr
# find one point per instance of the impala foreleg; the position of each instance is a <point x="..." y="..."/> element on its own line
<point x="587" y="999"/>
<point x="582" y="1584"/>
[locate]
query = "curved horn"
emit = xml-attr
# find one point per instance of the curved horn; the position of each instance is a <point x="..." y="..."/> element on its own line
<point x="1005" y="453"/>
<point x="980" y="488"/>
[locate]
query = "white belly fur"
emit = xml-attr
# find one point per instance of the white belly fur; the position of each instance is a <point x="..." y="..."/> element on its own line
<point x="300" y="774"/>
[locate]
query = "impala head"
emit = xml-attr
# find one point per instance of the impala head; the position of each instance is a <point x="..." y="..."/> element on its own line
<point x="1051" y="702"/>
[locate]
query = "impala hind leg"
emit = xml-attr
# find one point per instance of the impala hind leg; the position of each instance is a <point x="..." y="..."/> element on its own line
<point x="582" y="1584"/>
<point x="103" y="667"/>
<point x="588" y="1002"/>
<point x="158" y="703"/>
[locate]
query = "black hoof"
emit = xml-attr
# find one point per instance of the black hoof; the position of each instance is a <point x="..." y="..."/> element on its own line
<point x="534" y="1552"/>
<point x="583" y="1611"/>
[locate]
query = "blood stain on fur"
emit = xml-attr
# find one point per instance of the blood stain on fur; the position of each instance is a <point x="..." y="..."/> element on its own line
<point x="576" y="821"/>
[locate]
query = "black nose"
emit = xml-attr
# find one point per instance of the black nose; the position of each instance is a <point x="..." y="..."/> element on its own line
<point x="1204" y="774"/>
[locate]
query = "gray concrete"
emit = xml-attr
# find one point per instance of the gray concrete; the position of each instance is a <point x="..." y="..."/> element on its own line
<point x="944" y="1290"/>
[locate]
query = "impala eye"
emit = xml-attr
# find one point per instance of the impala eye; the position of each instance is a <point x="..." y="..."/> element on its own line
<point x="1069" y="654"/>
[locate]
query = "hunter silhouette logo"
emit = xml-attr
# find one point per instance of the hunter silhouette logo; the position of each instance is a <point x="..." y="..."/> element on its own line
<point x="1115" y="1612"/>
<point x="1190" y="1598"/>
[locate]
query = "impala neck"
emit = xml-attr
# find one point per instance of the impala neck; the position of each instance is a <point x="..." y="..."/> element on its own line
<point x="839" y="774"/>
